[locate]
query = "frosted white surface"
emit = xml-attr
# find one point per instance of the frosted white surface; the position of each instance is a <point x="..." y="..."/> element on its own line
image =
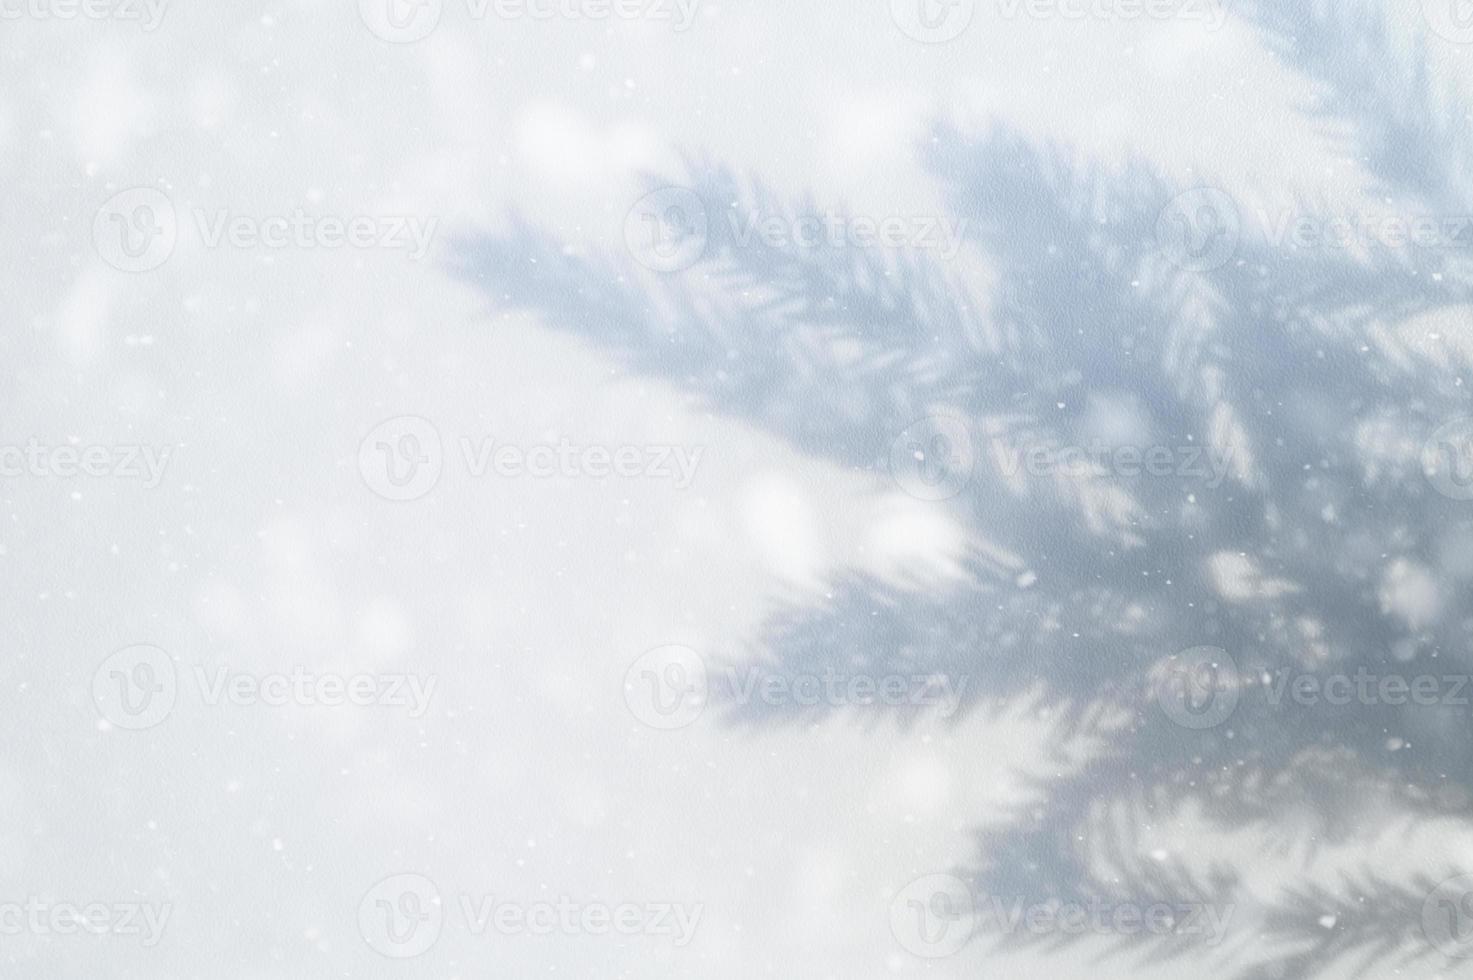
<point x="712" y="489"/>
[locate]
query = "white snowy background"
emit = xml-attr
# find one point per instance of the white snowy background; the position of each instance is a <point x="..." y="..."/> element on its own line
<point x="263" y="549"/>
